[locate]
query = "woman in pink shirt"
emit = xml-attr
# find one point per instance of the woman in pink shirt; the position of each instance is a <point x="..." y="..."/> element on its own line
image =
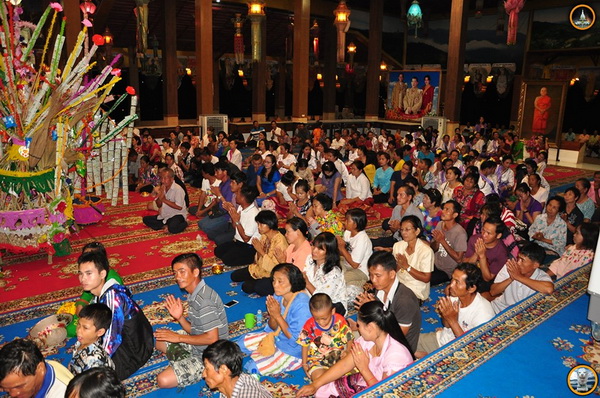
<point x="296" y="234"/>
<point x="380" y="352"/>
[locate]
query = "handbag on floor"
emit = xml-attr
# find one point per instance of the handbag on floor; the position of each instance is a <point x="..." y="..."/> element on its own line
<point x="216" y="212"/>
<point x="266" y="347"/>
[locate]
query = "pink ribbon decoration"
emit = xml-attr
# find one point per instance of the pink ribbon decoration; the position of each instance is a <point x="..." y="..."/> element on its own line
<point x="513" y="7"/>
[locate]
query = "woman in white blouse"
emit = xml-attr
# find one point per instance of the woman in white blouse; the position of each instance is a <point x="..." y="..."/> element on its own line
<point x="505" y="176"/>
<point x="538" y="192"/>
<point x="234" y="155"/>
<point x="308" y="153"/>
<point x="414" y="258"/>
<point x="358" y="189"/>
<point x="323" y="272"/>
<point x="452" y="181"/>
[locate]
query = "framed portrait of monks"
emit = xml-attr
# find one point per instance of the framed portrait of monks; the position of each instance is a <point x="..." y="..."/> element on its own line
<point x="541" y="109"/>
<point x="413" y="94"/>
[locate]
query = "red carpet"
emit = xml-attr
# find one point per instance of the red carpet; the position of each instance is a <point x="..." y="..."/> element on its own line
<point x="558" y="175"/>
<point x="137" y="252"/>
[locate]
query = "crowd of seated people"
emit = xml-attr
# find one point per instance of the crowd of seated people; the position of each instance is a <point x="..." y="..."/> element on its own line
<point x="461" y="215"/>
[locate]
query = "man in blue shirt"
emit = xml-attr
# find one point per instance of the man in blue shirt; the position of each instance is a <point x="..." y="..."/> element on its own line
<point x="24" y="373"/>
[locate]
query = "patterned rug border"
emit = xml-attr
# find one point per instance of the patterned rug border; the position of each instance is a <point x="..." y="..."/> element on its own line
<point x="47" y="304"/>
<point x="446" y="366"/>
<point x="58" y="297"/>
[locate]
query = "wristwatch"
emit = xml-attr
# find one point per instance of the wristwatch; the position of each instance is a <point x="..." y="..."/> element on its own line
<point x="409" y="268"/>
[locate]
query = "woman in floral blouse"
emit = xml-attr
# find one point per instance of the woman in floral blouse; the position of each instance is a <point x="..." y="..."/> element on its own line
<point x="323" y="272"/>
<point x="549" y="230"/>
<point x="321" y="218"/>
<point x="470" y="198"/>
<point x="577" y="255"/>
<point x="432" y="200"/>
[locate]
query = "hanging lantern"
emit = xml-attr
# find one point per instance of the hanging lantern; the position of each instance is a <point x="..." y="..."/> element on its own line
<point x="414" y="16"/>
<point x="108" y="37"/>
<point x="87" y="7"/>
<point x="238" y="38"/>
<point x="342" y="23"/>
<point x="513" y="7"/>
<point x="256" y="14"/>
<point x="351" y="52"/>
<point x="314" y="32"/>
<point x="141" y="15"/>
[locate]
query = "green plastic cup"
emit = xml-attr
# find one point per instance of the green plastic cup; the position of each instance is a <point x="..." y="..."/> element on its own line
<point x="249" y="320"/>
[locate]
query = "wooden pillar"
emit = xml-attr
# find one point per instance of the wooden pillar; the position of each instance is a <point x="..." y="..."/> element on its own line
<point x="374" y="59"/>
<point x="259" y="76"/>
<point x="330" y="61"/>
<point x="300" y="73"/>
<point x="217" y="88"/>
<point x="73" y="15"/>
<point x="456" y="60"/>
<point x="204" y="57"/>
<point x="280" y="89"/>
<point x="170" y="65"/>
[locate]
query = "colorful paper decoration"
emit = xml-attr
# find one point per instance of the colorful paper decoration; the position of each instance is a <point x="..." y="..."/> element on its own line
<point x="9" y="122"/>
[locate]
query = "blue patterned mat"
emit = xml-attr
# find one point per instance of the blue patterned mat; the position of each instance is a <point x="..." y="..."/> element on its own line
<point x="502" y="358"/>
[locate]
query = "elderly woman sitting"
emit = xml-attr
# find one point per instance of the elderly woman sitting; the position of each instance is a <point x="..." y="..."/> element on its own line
<point x="288" y="312"/>
<point x="256" y="277"/>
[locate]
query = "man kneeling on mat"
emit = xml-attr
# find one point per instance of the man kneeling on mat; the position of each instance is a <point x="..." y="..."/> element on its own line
<point x="206" y="323"/>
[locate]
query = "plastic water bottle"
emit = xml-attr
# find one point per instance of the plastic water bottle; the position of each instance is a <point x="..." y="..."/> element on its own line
<point x="255" y="374"/>
<point x="259" y="318"/>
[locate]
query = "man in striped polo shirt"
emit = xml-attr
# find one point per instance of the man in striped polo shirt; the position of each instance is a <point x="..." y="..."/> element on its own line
<point x="205" y="324"/>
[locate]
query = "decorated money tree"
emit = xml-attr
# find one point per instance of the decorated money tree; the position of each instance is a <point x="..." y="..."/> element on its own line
<point x="51" y="123"/>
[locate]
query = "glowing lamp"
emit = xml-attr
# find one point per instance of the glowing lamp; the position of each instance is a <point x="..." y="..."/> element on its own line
<point x="351" y="48"/>
<point x="414" y="16"/>
<point x="256" y="13"/>
<point x="87" y="7"/>
<point x="256" y="7"/>
<point x="342" y="12"/>
<point x="383" y="66"/>
<point x="342" y="24"/>
<point x="108" y="37"/>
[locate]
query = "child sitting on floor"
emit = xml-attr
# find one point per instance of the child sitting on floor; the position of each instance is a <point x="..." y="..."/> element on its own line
<point x="324" y="337"/>
<point x="304" y="173"/>
<point x="88" y="353"/>
<point x="302" y="200"/>
<point x="286" y="193"/>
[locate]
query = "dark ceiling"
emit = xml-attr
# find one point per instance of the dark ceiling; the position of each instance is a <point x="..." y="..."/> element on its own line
<point x="122" y="20"/>
<point x="119" y="17"/>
